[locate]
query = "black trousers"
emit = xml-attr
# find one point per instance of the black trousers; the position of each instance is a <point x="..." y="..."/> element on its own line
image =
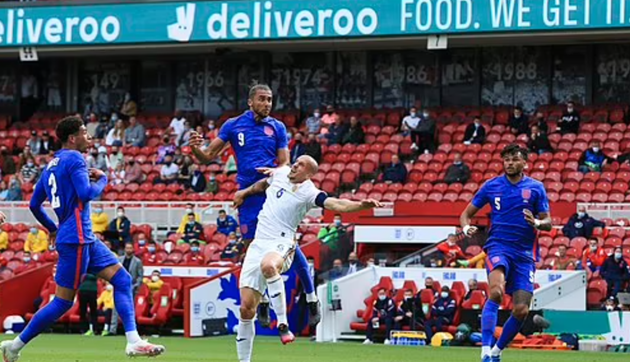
<point x="388" y="322"/>
<point x="88" y="299"/>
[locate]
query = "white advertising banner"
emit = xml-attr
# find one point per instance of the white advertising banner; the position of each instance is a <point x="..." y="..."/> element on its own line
<point x="401" y="234"/>
<point x="184" y="271"/>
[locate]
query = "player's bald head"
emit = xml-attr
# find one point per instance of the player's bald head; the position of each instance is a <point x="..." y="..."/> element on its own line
<point x="311" y="164"/>
<point x="303" y="169"/>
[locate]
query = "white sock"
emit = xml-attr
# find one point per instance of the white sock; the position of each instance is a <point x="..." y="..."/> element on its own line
<point x="275" y="287"/>
<point x="311" y="297"/>
<point x="495" y="351"/>
<point x="133" y="337"/>
<point x="91" y="328"/>
<point x="485" y="351"/>
<point x="245" y="340"/>
<point x="17" y="344"/>
<point x="106" y="328"/>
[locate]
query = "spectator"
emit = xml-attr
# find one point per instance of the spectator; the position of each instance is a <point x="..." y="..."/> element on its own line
<point x="354" y="265"/>
<point x="168" y="173"/>
<point x="7" y="164"/>
<point x="314" y="122"/>
<point x="519" y="123"/>
<point x="409" y="125"/>
<point x="369" y="263"/>
<point x="593" y="159"/>
<point x="4" y="240"/>
<point x="298" y="148"/>
<point x="213" y="185"/>
<point x="100" y="220"/>
<point x="135" y="134"/>
<point x="92" y="124"/>
<point x="141" y="246"/>
<point x="563" y="262"/>
<point x="330" y="117"/>
<point x="473" y="286"/>
<point x="354" y="134"/>
<point x="581" y="224"/>
<point x="570" y="121"/>
<point x="4" y="191"/>
<point x="336" y="131"/>
<point x="36" y="240"/>
<point x="167" y="148"/>
<point x="426" y="133"/>
<point x="233" y="249"/>
<point x="190" y="208"/>
<point x="428" y="284"/>
<point x="129" y="108"/>
<point x="611" y="305"/>
<point x="102" y="128"/>
<point x="117" y="176"/>
<point x="396" y="172"/>
<point x="120" y="229"/>
<point x="197" y="179"/>
<point x="616" y="272"/>
<point x="331" y="233"/>
<point x="178" y="158"/>
<point x="408" y="313"/>
<point x="133" y="265"/>
<point x="539" y="142"/>
<point x="28" y="264"/>
<point x="213" y="132"/>
<point x="154" y="284"/>
<point x="383" y="311"/>
<point x="475" y="132"/>
<point x="150" y="257"/>
<point x="442" y="313"/>
<point x="184" y="138"/>
<point x="478" y="261"/>
<point x="194" y="257"/>
<point x="313" y="148"/>
<point x="97" y="158"/>
<point x="105" y="306"/>
<point x="29" y="172"/>
<point x="458" y="172"/>
<point x="226" y="224"/>
<point x="34" y="142"/>
<point x="593" y="256"/>
<point x="15" y="190"/>
<point x="133" y="172"/>
<point x="337" y="270"/>
<point x="193" y="230"/>
<point x="451" y="252"/>
<point x="176" y="127"/>
<point x="88" y="297"/>
<point x="185" y="171"/>
<point x="51" y="255"/>
<point x="47" y="144"/>
<point x="541" y="123"/>
<point x="116" y="135"/>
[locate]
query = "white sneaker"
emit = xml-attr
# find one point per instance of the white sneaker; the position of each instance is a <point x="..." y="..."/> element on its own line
<point x="387" y="342"/>
<point x="7" y="354"/>
<point x="367" y="341"/>
<point x="144" y="348"/>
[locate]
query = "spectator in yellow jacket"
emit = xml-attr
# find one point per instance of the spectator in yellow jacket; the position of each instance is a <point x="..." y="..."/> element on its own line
<point x="36" y="241"/>
<point x="184" y="222"/>
<point x="154" y="284"/>
<point x="4" y="240"/>
<point x="478" y="261"/>
<point x="100" y="220"/>
<point x="105" y="303"/>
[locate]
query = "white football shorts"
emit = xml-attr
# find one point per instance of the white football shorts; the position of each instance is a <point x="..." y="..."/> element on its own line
<point x="251" y="274"/>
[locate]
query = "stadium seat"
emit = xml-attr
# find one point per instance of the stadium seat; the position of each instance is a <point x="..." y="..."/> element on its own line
<point x="476" y="301"/>
<point x="161" y="310"/>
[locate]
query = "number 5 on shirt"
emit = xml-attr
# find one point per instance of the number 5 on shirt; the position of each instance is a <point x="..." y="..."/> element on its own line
<point x="497" y="203"/>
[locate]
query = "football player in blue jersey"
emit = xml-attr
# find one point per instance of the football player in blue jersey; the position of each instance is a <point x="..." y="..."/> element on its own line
<point x="259" y="141"/>
<point x="519" y="207"/>
<point x="69" y="186"/>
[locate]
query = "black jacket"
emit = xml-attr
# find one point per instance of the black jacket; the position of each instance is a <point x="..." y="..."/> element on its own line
<point x="540" y="143"/>
<point x="384" y="308"/>
<point x="480" y="137"/>
<point x="520" y="124"/>
<point x="395" y="173"/>
<point x="615" y="270"/>
<point x="569" y="123"/>
<point x="314" y="150"/>
<point x="354" y="135"/>
<point x="457" y="173"/>
<point x="581" y="226"/>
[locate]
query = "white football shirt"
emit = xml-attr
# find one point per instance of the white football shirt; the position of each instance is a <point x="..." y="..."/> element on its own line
<point x="286" y="205"/>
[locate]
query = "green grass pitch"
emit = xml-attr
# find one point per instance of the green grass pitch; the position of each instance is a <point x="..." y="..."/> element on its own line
<point x="76" y="348"/>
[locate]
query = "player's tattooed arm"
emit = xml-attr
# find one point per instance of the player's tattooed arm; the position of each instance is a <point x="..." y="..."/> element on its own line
<point x="340" y="205"/>
<point x="543" y="222"/>
<point x="466" y="218"/>
<point x="216" y="146"/>
<point x="259" y="187"/>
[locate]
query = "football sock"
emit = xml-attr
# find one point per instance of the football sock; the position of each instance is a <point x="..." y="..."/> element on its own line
<point x="245" y="340"/>
<point x="123" y="300"/>
<point x="275" y="287"/>
<point x="43" y="319"/>
<point x="302" y="269"/>
<point x="510" y="330"/>
<point x="488" y="324"/>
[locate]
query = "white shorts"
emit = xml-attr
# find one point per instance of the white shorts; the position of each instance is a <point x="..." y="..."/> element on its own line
<point x="251" y="275"/>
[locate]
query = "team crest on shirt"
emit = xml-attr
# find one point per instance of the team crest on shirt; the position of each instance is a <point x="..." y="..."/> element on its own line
<point x="526" y="193"/>
<point x="496" y="259"/>
<point x="268" y="131"/>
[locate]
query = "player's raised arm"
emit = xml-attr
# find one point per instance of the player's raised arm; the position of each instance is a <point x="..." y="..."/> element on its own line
<point x="283" y="156"/>
<point x="216" y="146"/>
<point x="466" y="218"/>
<point x="37" y="208"/>
<point x="542" y="222"/>
<point x="340" y="205"/>
<point x="259" y="187"/>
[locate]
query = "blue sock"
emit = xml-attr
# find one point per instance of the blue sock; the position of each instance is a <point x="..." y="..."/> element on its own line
<point x="489" y="322"/>
<point x="123" y="299"/>
<point x="302" y="271"/>
<point x="510" y="330"/>
<point x="44" y="318"/>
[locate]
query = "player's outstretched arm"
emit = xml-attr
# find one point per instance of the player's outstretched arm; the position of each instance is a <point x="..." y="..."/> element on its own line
<point x="37" y="208"/>
<point x="466" y="218"/>
<point x="339" y="205"/>
<point x="258" y="187"/>
<point x="196" y="140"/>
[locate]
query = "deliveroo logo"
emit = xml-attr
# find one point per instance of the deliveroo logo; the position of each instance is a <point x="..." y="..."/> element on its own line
<point x="182" y="30"/>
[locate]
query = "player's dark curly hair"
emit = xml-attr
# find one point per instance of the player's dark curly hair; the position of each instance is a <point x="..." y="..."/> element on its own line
<point x="255" y="87"/>
<point x="68" y="126"/>
<point x="514" y="149"/>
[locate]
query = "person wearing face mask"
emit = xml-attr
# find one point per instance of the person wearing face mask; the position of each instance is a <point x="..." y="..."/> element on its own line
<point x="116" y="157"/>
<point x="331" y="234"/>
<point x="194" y="256"/>
<point x="408" y="127"/>
<point x="226" y="224"/>
<point x="426" y="133"/>
<point x="475" y="132"/>
<point x="570" y="121"/>
<point x="442" y="313"/>
<point x="369" y="263"/>
<point x="383" y="312"/>
<point x="616" y="272"/>
<point x="298" y="148"/>
<point x="330" y="117"/>
<point x="354" y="265"/>
<point x="212" y="185"/>
<point x="29" y="172"/>
<point x="519" y="122"/>
<point x="458" y="172"/>
<point x="129" y="107"/>
<point x="234" y="248"/>
<point x="100" y="220"/>
<point x="167" y="148"/>
<point x="50" y="255"/>
<point x="593" y="256"/>
<point x="593" y="159"/>
<point x="88" y="296"/>
<point x="336" y="131"/>
<point x="451" y="252"/>
<point x="27" y="264"/>
<point x="314" y="122"/>
<point x="337" y="270"/>
<point x="611" y="305"/>
<point x="154" y="283"/>
<point x="190" y="208"/>
<point x="396" y="172"/>
<point x="105" y="305"/>
<point x="192" y="231"/>
<point x="15" y="190"/>
<point x="169" y="172"/>
<point x="581" y="224"/>
<point x="119" y="229"/>
<point x="133" y="172"/>
<point x="36" y="241"/>
<point x="408" y="313"/>
<point x="538" y="141"/>
<point x="150" y="257"/>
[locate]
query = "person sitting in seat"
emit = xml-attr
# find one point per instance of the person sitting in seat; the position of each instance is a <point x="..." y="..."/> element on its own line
<point x="154" y="284"/>
<point x="409" y="313"/>
<point x="442" y="313"/>
<point x="383" y="312"/>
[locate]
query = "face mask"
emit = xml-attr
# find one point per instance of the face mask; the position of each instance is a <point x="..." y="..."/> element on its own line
<point x="444" y="294"/>
<point x="457" y="163"/>
<point x="211" y="127"/>
<point x="188" y="210"/>
<point x="26" y="260"/>
<point x="352" y="262"/>
<point x="109" y="287"/>
<point x="412" y="114"/>
<point x="97" y="145"/>
<point x="151" y="249"/>
<point x="595" y="149"/>
<point x="98" y="211"/>
<point x="311" y="264"/>
<point x="425" y="115"/>
<point x="610" y="308"/>
<point x="618" y="256"/>
<point x="141" y="242"/>
<point x="30" y="164"/>
<point x="195" y="249"/>
<point x="369" y="263"/>
<point x="191" y="222"/>
<point x="121" y="214"/>
<point x="581" y="214"/>
<point x="169" y="163"/>
<point x="338" y="222"/>
<point x="155" y="278"/>
<point x="381" y="297"/>
<point x="428" y="286"/>
<point x="114" y="118"/>
<point x="212" y="179"/>
<point x="51" y="248"/>
<point x="34" y="230"/>
<point x="114" y="153"/>
<point x="289" y="136"/>
<point x="593" y="248"/>
<point x="570" y="110"/>
<point x="407" y="298"/>
<point x="131" y="163"/>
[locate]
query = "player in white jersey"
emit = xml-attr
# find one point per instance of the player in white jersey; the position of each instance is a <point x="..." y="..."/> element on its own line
<point x="290" y="195"/>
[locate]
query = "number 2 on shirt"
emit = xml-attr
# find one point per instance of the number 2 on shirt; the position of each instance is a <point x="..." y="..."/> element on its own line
<point x="241" y="139"/>
<point x="497" y="203"/>
<point x="52" y="182"/>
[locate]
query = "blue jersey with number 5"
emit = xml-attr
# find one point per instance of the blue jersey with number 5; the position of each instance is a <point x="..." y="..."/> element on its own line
<point x="255" y="144"/>
<point x="509" y="231"/>
<point x="65" y="183"/>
